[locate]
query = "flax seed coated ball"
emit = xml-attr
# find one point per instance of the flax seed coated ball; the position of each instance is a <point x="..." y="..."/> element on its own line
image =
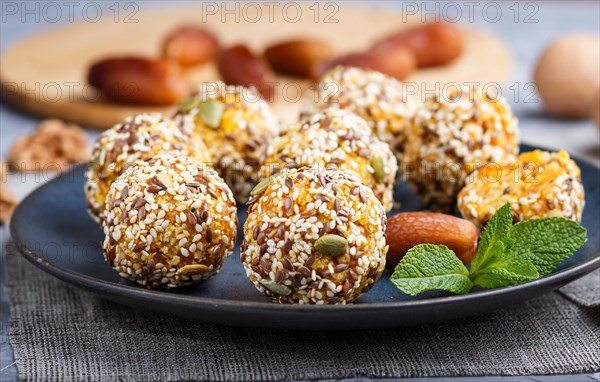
<point x="237" y="126"/>
<point x="338" y="139"/>
<point x="453" y="134"/>
<point x="314" y="237"/>
<point x="373" y="96"/>
<point x="539" y="184"/>
<point x="169" y="222"/>
<point x="138" y="137"/>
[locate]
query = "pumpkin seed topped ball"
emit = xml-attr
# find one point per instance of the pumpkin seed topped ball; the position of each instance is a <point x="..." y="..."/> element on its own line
<point x="169" y="222"/>
<point x="374" y="96"/>
<point x="138" y="137"/>
<point x="236" y="125"/>
<point x="451" y="136"/>
<point x="314" y="237"/>
<point x="539" y="184"/>
<point x="338" y="139"/>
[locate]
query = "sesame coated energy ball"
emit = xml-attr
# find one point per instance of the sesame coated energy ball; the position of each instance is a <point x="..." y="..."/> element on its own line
<point x="377" y="98"/>
<point x="237" y="126"/>
<point x="169" y="222"/>
<point x="338" y="139"/>
<point x="314" y="237"/>
<point x="138" y="137"/>
<point x="452" y="135"/>
<point x="539" y="184"/>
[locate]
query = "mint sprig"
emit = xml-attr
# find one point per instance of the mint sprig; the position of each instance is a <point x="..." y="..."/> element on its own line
<point x="507" y="255"/>
<point x="506" y="273"/>
<point x="431" y="267"/>
<point x="494" y="240"/>
<point x="546" y="242"/>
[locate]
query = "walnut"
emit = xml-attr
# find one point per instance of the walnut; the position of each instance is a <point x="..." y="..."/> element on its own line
<point x="7" y="200"/>
<point x="3" y="171"/>
<point x="7" y="203"/>
<point x="52" y="147"/>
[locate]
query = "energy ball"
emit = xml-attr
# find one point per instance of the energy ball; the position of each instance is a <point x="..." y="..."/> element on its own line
<point x="139" y="137"/>
<point x="452" y="135"/>
<point x="539" y="184"/>
<point x="237" y="126"/>
<point x="338" y="139"/>
<point x="377" y="98"/>
<point x="169" y="222"/>
<point x="314" y="237"/>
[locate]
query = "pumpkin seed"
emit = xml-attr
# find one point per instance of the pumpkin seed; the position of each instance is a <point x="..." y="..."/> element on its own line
<point x="263" y="184"/>
<point x="188" y="104"/>
<point x="377" y="164"/>
<point x="331" y="245"/>
<point x="192" y="269"/>
<point x="102" y="157"/>
<point x="211" y="112"/>
<point x="279" y="289"/>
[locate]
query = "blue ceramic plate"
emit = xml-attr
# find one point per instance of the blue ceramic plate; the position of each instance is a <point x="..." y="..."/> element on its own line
<point x="53" y="231"/>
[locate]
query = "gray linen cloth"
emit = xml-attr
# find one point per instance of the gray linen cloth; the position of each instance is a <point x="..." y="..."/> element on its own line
<point x="585" y="291"/>
<point x="59" y="332"/>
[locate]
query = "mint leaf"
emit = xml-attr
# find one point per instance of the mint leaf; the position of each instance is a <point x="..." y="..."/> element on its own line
<point x="546" y="242"/>
<point x="431" y="267"/>
<point x="506" y="273"/>
<point x="494" y="236"/>
<point x="492" y="267"/>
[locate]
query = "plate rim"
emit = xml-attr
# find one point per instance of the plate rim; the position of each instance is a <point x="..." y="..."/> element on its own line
<point x="112" y="289"/>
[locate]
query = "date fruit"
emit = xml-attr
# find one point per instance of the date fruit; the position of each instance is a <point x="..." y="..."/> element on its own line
<point x="433" y="44"/>
<point x="298" y="57"/>
<point x="397" y="63"/>
<point x="139" y="80"/>
<point x="190" y="45"/>
<point x="238" y="66"/>
<point x="407" y="229"/>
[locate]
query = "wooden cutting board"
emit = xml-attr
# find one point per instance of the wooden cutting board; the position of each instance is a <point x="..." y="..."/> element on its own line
<point x="45" y="74"/>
